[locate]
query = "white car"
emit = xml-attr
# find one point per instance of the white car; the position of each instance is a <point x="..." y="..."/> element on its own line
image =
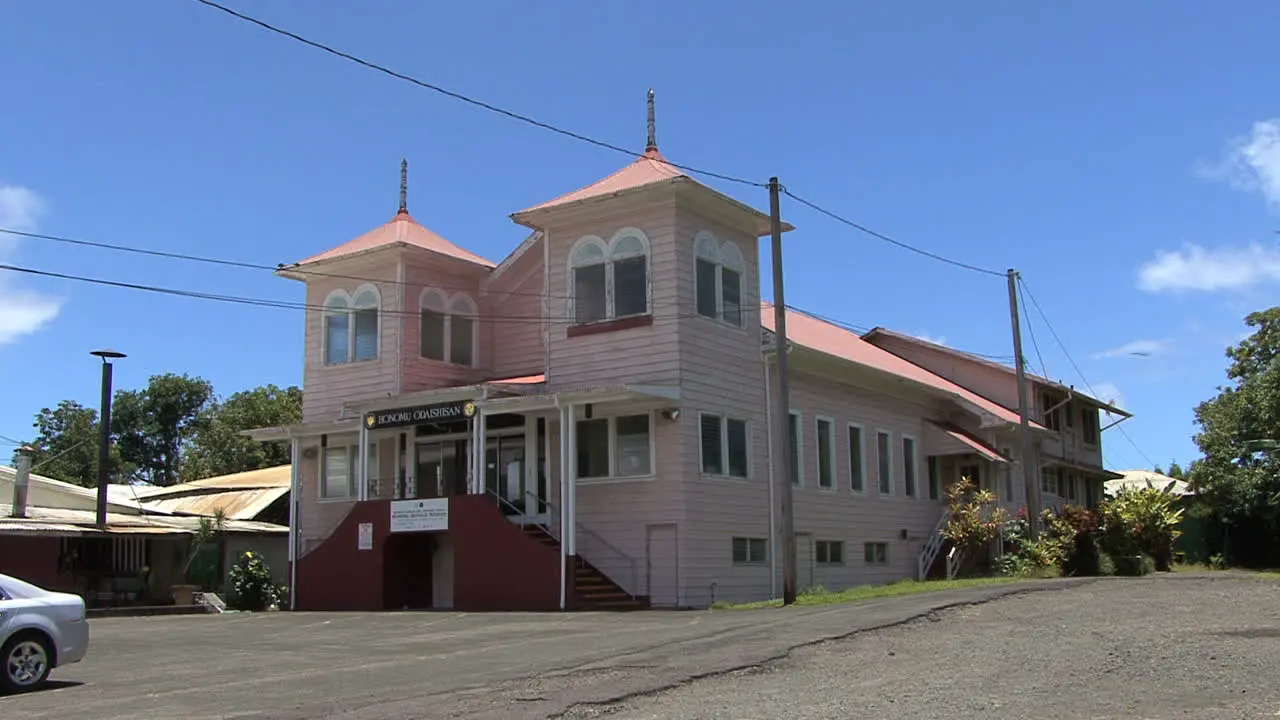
<point x="39" y="630"/>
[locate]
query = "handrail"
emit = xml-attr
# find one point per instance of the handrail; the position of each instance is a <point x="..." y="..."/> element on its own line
<point x="954" y="558"/>
<point x="635" y="577"/>
<point x="932" y="546"/>
<point x="635" y="571"/>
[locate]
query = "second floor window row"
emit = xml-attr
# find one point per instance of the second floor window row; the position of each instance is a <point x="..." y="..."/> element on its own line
<point x="609" y="280"/>
<point x="447" y="327"/>
<point x="350" y="325"/>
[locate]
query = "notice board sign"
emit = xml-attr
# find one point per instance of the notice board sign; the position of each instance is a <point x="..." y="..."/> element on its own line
<point x="364" y="536"/>
<point x="420" y="515"/>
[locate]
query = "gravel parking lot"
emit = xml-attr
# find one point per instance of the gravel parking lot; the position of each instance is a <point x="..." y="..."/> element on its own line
<point x="1153" y="648"/>
<point x="1168" y="647"/>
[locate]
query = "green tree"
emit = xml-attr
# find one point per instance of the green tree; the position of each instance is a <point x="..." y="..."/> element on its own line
<point x="155" y="425"/>
<point x="66" y="444"/>
<point x="1238" y="478"/>
<point x="219" y="448"/>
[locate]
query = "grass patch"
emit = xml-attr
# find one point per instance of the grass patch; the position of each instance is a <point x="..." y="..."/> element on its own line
<point x="823" y="596"/>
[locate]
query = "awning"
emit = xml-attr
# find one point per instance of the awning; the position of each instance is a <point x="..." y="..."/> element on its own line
<point x="955" y="432"/>
<point x="1093" y="470"/>
<point x="287" y="432"/>
<point x="578" y="395"/>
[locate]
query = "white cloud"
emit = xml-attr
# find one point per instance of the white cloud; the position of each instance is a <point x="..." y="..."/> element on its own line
<point x="1108" y="393"/>
<point x="22" y="312"/>
<point x="1194" y="268"/>
<point x="1252" y="162"/>
<point x="930" y="339"/>
<point x="1137" y="348"/>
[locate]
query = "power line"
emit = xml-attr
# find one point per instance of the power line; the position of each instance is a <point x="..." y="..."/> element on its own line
<point x="1076" y="367"/>
<point x="881" y="236"/>
<point x="459" y="96"/>
<point x="1031" y="331"/>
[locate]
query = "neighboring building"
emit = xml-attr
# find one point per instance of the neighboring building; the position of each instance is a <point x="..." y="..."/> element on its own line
<point x="1069" y="447"/>
<point x="428" y="465"/>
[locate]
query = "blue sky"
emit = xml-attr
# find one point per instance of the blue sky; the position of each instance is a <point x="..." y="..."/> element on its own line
<point x="1125" y="157"/>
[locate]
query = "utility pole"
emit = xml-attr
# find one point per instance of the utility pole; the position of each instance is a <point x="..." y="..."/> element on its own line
<point x="104" y="439"/>
<point x="782" y="402"/>
<point x="1030" y="469"/>
<point x="21" y="482"/>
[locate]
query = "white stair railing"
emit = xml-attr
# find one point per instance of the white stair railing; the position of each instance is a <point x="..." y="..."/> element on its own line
<point x="954" y="557"/>
<point x="933" y="546"/>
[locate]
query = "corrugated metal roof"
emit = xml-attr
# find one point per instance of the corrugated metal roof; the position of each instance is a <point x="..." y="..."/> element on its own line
<point x="234" y="504"/>
<point x="271" y="477"/>
<point x="84" y="521"/>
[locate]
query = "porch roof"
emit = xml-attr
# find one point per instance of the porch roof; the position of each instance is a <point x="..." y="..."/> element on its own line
<point x="1095" y="470"/>
<point x="595" y="394"/>
<point x="513" y="385"/>
<point x="958" y="433"/>
<point x="287" y="432"/>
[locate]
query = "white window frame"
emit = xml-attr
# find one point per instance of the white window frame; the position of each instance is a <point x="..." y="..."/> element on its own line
<point x="749" y="542"/>
<point x="724" y="446"/>
<point x="349" y="308"/>
<point x="1085" y="415"/>
<point x="352" y="450"/>
<point x="460" y="304"/>
<point x="611" y="254"/>
<point x="1049" y="482"/>
<point x="862" y="456"/>
<point x="892" y="466"/>
<point x="831" y="452"/>
<point x="723" y="255"/>
<point x="817" y="560"/>
<point x="915" y="466"/>
<point x="614" y="475"/>
<point x="798" y="448"/>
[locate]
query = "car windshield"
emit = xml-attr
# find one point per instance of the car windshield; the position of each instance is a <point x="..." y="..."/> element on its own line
<point x="14" y="588"/>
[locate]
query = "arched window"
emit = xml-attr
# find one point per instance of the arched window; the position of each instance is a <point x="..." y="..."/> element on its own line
<point x="337" y="328"/>
<point x="351" y="325"/>
<point x="718" y="270"/>
<point x="462" y="331"/>
<point x="364" y="316"/>
<point x="610" y="280"/>
<point x="448" y="327"/>
<point x="434" y="316"/>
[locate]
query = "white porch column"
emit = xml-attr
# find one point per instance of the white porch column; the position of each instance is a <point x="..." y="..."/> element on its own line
<point x="529" y="499"/>
<point x="362" y="473"/>
<point x="479" y="425"/>
<point x="570" y="540"/>
<point x="295" y="500"/>
<point x="564" y="510"/>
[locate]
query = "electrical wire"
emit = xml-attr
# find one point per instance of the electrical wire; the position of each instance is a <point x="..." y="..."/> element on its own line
<point x="459" y="96"/>
<point x="881" y="236"/>
<point x="1076" y="367"/>
<point x="1031" y="331"/>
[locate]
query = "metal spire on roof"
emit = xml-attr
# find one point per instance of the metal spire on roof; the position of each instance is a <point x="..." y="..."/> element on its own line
<point x="404" y="186"/>
<point x="652" y="145"/>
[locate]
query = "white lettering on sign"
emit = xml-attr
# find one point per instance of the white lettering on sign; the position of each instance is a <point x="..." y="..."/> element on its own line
<point x="420" y="515"/>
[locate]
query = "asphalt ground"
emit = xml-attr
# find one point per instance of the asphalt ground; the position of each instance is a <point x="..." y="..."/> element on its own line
<point x="947" y="652"/>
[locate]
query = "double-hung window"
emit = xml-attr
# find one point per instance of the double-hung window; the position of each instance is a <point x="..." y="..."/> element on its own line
<point x="857" y="459"/>
<point x="609" y="280"/>
<point x="447" y="328"/>
<point x="909" y="477"/>
<point x="350" y="325"/>
<point x="615" y="447"/>
<point x="718" y="274"/>
<point x="340" y="467"/>
<point x="884" y="462"/>
<point x="825" y="445"/>
<point x="723" y="445"/>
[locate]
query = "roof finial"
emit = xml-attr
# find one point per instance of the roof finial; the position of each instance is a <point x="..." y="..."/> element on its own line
<point x="652" y="145"/>
<point x="404" y="186"/>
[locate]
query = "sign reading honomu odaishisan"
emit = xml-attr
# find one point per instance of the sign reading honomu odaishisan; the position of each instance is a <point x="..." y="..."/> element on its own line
<point x="400" y="417"/>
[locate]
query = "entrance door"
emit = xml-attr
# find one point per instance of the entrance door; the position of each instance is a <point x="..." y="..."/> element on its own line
<point x="441" y="469"/>
<point x="804" y="561"/>
<point x="662" y="562"/>
<point x="504" y="473"/>
<point x="407" y="565"/>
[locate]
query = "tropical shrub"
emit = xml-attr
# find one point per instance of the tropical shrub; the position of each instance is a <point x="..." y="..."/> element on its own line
<point x="976" y="520"/>
<point x="251" y="584"/>
<point x="1141" y="521"/>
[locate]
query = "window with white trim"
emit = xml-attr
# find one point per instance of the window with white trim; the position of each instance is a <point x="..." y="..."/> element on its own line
<point x="609" y="280"/>
<point x="750" y="551"/>
<point x="619" y="446"/>
<point x="1089" y="425"/>
<point x="875" y="553"/>
<point x="884" y="462"/>
<point x="829" y="552"/>
<point x="935" y="478"/>
<point x="826" y="447"/>
<point x="340" y="466"/>
<point x="718" y="273"/>
<point x="447" y="327"/>
<point x="1049" y="480"/>
<point x="350" y="325"/>
<point x="857" y="459"/>
<point x="796" y="435"/>
<point x="909" y="470"/>
<point x="723" y="443"/>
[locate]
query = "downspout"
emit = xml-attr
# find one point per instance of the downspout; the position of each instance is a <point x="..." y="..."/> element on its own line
<point x="295" y="502"/>
<point x="773" y="520"/>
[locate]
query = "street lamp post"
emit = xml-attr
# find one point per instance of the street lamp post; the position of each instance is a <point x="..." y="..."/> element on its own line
<point x="104" y="438"/>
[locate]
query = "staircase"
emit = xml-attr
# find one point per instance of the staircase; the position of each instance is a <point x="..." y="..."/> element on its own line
<point x="933" y="547"/>
<point x="592" y="589"/>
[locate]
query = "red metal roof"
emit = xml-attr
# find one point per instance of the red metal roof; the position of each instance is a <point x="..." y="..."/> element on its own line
<point x="403" y="230"/>
<point x="972" y="442"/>
<point x="647" y="169"/>
<point x="809" y="331"/>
